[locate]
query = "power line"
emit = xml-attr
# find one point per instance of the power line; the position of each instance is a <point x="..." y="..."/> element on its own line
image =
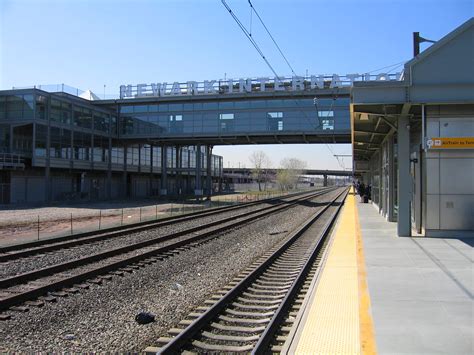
<point x="396" y="65"/>
<point x="249" y="37"/>
<point x="254" y="43"/>
<point x="273" y="39"/>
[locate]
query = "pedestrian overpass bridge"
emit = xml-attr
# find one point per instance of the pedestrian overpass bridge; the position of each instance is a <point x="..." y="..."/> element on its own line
<point x="262" y="117"/>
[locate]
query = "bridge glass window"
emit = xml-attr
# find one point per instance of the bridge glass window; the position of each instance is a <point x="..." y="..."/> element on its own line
<point x="226" y="105"/>
<point x="197" y="106"/>
<point x="209" y="106"/>
<point x="163" y="108"/>
<point x="140" y="108"/>
<point x="152" y="108"/>
<point x="226" y="122"/>
<point x="275" y="121"/>
<point x="324" y="114"/>
<point x="327" y="125"/>
<point x="175" y="107"/>
<point x="126" y="109"/>
<point x="242" y="104"/>
<point x="188" y="107"/>
<point x="176" y="123"/>
<point x="258" y="104"/>
<point x="226" y="116"/>
<point x="275" y="114"/>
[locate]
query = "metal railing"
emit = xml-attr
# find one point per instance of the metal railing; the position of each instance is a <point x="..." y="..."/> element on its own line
<point x="11" y="161"/>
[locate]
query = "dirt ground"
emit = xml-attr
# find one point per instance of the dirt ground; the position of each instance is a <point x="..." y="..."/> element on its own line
<point x="27" y="224"/>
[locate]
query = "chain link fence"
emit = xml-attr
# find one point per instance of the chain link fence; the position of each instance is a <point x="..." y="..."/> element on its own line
<point x="59" y="224"/>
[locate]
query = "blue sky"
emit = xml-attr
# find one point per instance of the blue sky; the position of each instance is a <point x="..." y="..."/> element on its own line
<point x="89" y="44"/>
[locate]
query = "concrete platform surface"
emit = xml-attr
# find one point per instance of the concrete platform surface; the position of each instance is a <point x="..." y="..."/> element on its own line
<point x="421" y="289"/>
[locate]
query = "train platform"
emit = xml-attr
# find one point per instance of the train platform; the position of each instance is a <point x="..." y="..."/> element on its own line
<point x="380" y="293"/>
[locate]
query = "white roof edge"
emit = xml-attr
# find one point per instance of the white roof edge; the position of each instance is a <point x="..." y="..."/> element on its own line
<point x="440" y="43"/>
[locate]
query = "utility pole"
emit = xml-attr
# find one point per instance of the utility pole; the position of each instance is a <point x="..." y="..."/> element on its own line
<point x="417" y="39"/>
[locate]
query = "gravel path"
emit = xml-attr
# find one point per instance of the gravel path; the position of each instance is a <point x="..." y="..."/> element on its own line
<point x="102" y="318"/>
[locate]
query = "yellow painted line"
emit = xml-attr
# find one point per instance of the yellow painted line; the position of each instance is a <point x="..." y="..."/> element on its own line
<point x="367" y="335"/>
<point x="338" y="320"/>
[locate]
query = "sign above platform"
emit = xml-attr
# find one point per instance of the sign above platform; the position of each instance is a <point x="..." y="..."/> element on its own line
<point x="264" y="84"/>
<point x="450" y="143"/>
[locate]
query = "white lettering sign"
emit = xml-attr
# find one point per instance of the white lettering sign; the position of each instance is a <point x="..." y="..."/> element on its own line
<point x="248" y="85"/>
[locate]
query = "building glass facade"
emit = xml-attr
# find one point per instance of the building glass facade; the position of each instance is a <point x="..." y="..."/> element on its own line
<point x="244" y="116"/>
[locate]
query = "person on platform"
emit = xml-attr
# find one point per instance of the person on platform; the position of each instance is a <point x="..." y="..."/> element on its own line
<point x="361" y="191"/>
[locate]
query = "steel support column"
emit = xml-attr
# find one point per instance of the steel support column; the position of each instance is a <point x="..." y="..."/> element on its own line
<point x="178" y="170"/>
<point x="164" y="170"/>
<point x="209" y="171"/>
<point x="198" y="185"/>
<point x="404" y="178"/>
<point x="124" y="175"/>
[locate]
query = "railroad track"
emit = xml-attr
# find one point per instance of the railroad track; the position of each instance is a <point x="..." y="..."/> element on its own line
<point x="22" y="250"/>
<point x="17" y="292"/>
<point x="254" y="313"/>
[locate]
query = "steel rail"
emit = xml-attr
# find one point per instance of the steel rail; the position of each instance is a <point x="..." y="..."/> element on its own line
<point x="251" y="215"/>
<point x="263" y="344"/>
<point x="187" y="334"/>
<point x="140" y="226"/>
<point x="53" y="285"/>
<point x="104" y="235"/>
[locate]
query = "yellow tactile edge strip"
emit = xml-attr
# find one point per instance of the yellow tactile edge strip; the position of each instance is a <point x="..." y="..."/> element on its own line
<point x="295" y="333"/>
<point x="367" y="335"/>
<point x="322" y="328"/>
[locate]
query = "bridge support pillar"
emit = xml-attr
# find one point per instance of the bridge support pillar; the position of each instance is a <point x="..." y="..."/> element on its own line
<point x="198" y="185"/>
<point x="164" y="170"/>
<point x="209" y="171"/>
<point x="178" y="170"/>
<point x="325" y="182"/>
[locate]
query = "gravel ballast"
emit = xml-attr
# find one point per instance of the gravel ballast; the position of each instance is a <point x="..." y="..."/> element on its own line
<point x="102" y="318"/>
<point x="23" y="265"/>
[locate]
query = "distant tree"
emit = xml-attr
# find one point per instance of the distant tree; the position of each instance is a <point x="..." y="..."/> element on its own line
<point x="260" y="165"/>
<point x="289" y="174"/>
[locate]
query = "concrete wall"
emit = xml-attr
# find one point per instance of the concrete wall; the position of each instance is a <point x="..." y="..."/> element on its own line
<point x="27" y="187"/>
<point x="449" y="173"/>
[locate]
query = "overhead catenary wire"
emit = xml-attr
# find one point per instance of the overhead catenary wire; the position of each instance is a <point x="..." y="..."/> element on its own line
<point x="250" y="38"/>
<point x="396" y="65"/>
<point x="256" y="46"/>
<point x="293" y="72"/>
<point x="272" y="38"/>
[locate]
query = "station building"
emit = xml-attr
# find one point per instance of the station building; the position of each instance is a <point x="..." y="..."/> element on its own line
<point x="59" y="146"/>
<point x="413" y="139"/>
